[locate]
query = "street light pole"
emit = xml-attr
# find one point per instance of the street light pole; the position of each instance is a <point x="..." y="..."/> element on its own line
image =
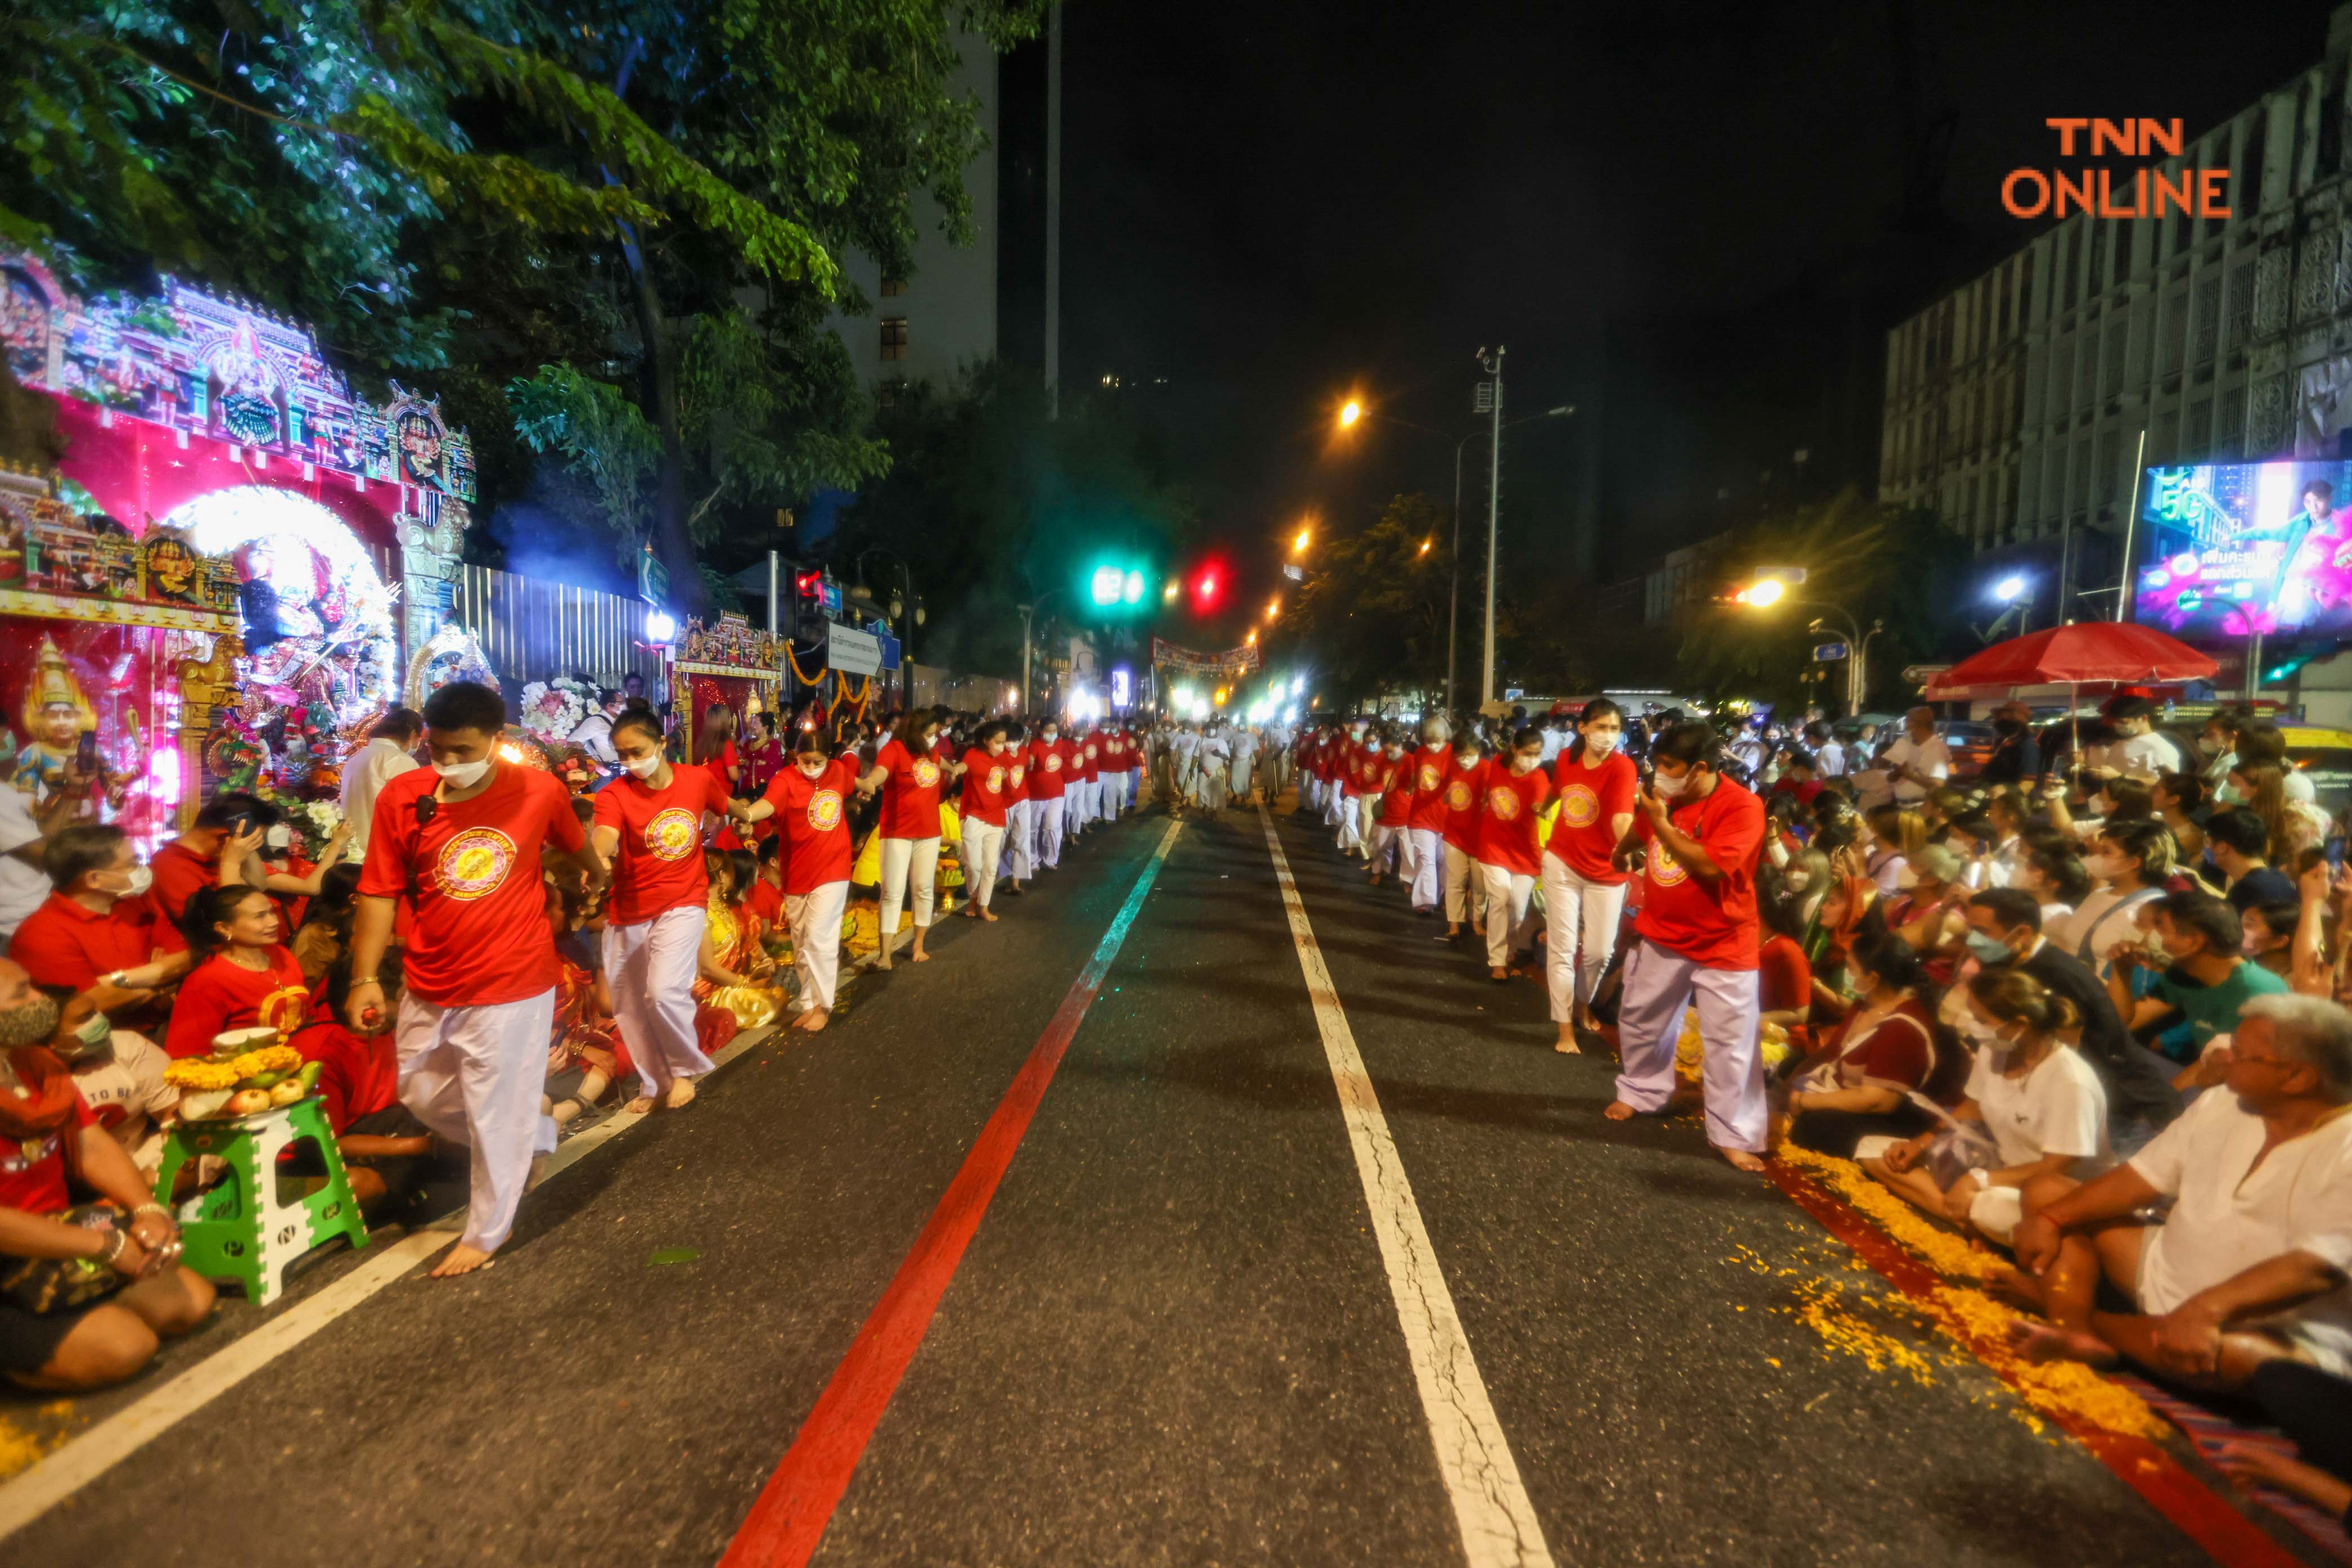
<point x="1453" y="589"/>
<point x="1493" y="367"/>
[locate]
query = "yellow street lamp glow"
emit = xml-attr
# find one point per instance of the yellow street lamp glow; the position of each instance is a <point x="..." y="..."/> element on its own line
<point x="1252" y="639"/>
<point x="1764" y="592"/>
<point x="1168" y="595"/>
<point x="1350" y="411"/>
<point x="1425" y="546"/>
<point x="1299" y="544"/>
<point x="1274" y="608"/>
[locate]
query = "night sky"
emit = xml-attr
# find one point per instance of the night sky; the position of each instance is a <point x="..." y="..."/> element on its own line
<point x="1688" y="220"/>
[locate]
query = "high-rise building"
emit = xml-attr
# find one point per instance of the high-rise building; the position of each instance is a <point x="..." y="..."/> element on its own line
<point x="997" y="294"/>
<point x="2016" y="406"/>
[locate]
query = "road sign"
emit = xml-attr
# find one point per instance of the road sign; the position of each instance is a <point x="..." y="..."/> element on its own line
<point x="1920" y="674"/>
<point x="1293" y="571"/>
<point x="1825" y="653"/>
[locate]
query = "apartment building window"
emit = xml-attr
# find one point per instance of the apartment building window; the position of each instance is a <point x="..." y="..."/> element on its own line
<point x="2176" y="331"/>
<point x="2242" y="306"/>
<point x="894" y="337"/>
<point x="893" y="287"/>
<point x="2197" y="439"/>
<point x="2209" y="319"/>
<point x="2247" y="191"/>
<point x="2118" y="334"/>
<point x="2110" y="455"/>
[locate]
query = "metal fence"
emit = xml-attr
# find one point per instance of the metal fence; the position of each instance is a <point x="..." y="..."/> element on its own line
<point x="535" y="630"/>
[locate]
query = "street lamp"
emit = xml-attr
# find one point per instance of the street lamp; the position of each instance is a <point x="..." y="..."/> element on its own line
<point x="1299" y="543"/>
<point x="1771" y="588"/>
<point x="1351" y="411"/>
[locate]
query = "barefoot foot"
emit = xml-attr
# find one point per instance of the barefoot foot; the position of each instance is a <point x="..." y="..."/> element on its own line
<point x="1742" y="1159"/>
<point x="462" y="1260"/>
<point x="1618" y="1110"/>
<point x="681" y="1095"/>
<point x="1567" y="1043"/>
<point x="642" y="1105"/>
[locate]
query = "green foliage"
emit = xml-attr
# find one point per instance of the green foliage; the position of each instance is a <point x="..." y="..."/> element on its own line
<point x="1371" y="614"/>
<point x="603" y="436"/>
<point x="769" y="416"/>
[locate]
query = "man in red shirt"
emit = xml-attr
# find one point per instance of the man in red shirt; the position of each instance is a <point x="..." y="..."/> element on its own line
<point x="1049" y="777"/>
<point x="1509" y="854"/>
<point x="1347" y="813"/>
<point x="1697" y="839"/>
<point x="457" y="846"/>
<point x="1392" y="831"/>
<point x="650" y="828"/>
<point x="1114" y="773"/>
<point x="809" y="801"/>
<point x="96" y="933"/>
<point x="1085" y="778"/>
<point x="212" y="853"/>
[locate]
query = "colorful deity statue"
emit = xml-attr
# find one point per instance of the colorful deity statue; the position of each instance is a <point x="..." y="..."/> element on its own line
<point x="54" y="717"/>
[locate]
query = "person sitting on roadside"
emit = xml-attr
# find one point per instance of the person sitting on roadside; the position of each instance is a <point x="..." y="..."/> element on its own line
<point x="2241" y="841"/>
<point x="243" y="978"/>
<point x="2179" y="801"/>
<point x="2130" y="863"/>
<point x="325" y="933"/>
<point x="213" y="853"/>
<point x="121" y="1075"/>
<point x="396" y="1169"/>
<point x="1926" y="916"/>
<point x="1859" y="1085"/>
<point x="2206" y="982"/>
<point x="1895" y="834"/>
<point x="61" y="1331"/>
<point x="2251" y="1263"/>
<point x="96" y="934"/>
<point x="2058" y="882"/>
<point x="2269" y="940"/>
<point x="2038" y="1109"/>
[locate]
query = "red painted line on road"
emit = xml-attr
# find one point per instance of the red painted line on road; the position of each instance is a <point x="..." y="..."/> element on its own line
<point x="2198" y="1511"/>
<point x="790" y="1516"/>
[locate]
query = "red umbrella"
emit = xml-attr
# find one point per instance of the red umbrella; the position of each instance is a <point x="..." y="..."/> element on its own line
<point x="2090" y="653"/>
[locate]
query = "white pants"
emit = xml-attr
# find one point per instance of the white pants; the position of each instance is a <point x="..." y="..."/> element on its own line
<point x="904" y="860"/>
<point x="1114" y="796"/>
<point x="1392" y="844"/>
<point x="1334" y="798"/>
<point x="1311" y="789"/>
<point x="1581" y="918"/>
<point x="1466" y="895"/>
<point x="1351" y="822"/>
<point x="983" y="841"/>
<point x="815" y="921"/>
<point x="651" y="967"/>
<point x="1020" y="840"/>
<point x="1215" y="776"/>
<point x="1428" y="868"/>
<point x="1048" y="813"/>
<point x="1368" y="815"/>
<point x="474" y="1076"/>
<point x="1659" y="986"/>
<point x="1508" y="920"/>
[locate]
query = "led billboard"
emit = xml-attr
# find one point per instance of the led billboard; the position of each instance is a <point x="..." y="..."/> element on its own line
<point x="2231" y="549"/>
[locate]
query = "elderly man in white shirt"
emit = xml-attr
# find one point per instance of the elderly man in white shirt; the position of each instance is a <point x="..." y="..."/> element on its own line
<point x="2252" y="1261"/>
<point x="383" y="758"/>
<point x="1919" y="760"/>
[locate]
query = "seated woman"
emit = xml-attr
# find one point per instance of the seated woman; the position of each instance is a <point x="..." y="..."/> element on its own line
<point x="2032" y="1108"/>
<point x="587" y="1041"/>
<point x="65" y="1326"/>
<point x="1858" y="1086"/>
<point x="735" y="969"/>
<point x="1926" y="916"/>
<point x="121" y="1077"/>
<point x="324" y="933"/>
<point x="396" y="1169"/>
<point x="242" y="977"/>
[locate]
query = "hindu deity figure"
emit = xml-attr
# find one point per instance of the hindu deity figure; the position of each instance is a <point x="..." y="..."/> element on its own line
<point x="56" y="715"/>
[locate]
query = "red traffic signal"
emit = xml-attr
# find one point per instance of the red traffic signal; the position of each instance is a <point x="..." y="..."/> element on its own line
<point x="1207" y="589"/>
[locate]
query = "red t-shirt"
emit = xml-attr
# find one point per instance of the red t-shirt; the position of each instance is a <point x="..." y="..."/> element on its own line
<point x="1506" y="831"/>
<point x="815" y="817"/>
<point x="220" y="994"/>
<point x="657" y="866"/>
<point x="986" y="782"/>
<point x="179" y="875"/>
<point x="1090" y="759"/>
<point x="1466" y="800"/>
<point x="911" y="795"/>
<point x="477" y="934"/>
<point x="1114" y="753"/>
<point x="33" y="1172"/>
<point x="1049" y="769"/>
<point x="1363" y="760"/>
<point x="62" y="943"/>
<point x="1395" y="780"/>
<point x="291" y="906"/>
<point x="1711" y="923"/>
<point x="1431" y="767"/>
<point x="356" y="1077"/>
<point x="1016" y="778"/>
<point x="767" y="901"/>
<point x="1590" y="799"/>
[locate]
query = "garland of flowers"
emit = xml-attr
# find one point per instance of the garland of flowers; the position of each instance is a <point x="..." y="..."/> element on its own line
<point x="553" y="710"/>
<point x="842" y="698"/>
<point x="805" y="677"/>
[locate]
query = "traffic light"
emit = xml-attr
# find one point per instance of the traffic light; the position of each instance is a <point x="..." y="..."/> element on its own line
<point x="1207" y="589"/>
<point x="1117" y="586"/>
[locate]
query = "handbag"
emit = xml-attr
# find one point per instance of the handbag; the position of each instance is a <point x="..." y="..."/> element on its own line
<point x="43" y="1286"/>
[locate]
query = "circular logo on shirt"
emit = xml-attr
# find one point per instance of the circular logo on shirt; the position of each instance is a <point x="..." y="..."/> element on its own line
<point x="1665" y="869"/>
<point x="283" y="1009"/>
<point x="1457" y="795"/>
<point x="673" y="833"/>
<point x="824" y="810"/>
<point x="475" y="863"/>
<point x="1054" y="763"/>
<point x="996" y="781"/>
<point x="1112" y="747"/>
<point x="1578" y="807"/>
<point x="1503" y="804"/>
<point x="1431" y="776"/>
<point x="927" y="773"/>
<point x="1090" y="750"/>
<point x="1019" y="772"/>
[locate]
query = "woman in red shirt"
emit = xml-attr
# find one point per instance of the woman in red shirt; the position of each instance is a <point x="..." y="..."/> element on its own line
<point x="649" y="828"/>
<point x="1584" y="894"/>
<point x="1393" y="781"/>
<point x="809" y="802"/>
<point x="1860" y="1085"/>
<point x="243" y="979"/>
<point x="1466" y="784"/>
<point x="1020" y="811"/>
<point x="910" y="778"/>
<point x="987" y="781"/>
<point x="1509" y="856"/>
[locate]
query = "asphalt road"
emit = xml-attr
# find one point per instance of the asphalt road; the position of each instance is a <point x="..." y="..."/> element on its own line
<point x="1172" y="1338"/>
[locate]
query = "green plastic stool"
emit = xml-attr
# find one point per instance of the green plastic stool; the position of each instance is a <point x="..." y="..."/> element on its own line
<point x="238" y="1231"/>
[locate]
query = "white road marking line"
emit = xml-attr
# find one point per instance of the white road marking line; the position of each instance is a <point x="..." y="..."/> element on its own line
<point x="1498" y="1524"/>
<point x="65" y="1471"/>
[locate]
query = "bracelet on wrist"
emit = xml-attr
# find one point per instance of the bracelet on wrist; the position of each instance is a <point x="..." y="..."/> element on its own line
<point x="364" y="980"/>
<point x="116" y="1240"/>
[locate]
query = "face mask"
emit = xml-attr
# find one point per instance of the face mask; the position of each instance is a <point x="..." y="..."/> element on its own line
<point x="2251" y="945"/>
<point x="279" y="837"/>
<point x="1667" y="788"/>
<point x="136" y="880"/>
<point x="95" y="1035"/>
<point x="1988" y="950"/>
<point x="1050" y="737"/>
<point x="1981" y="1036"/>
<point x="1800" y="881"/>
<point x="2228" y="795"/>
<point x="463" y="774"/>
<point x="644" y="767"/>
<point x="1600" y="744"/>
<point x="2107" y="867"/>
<point x="1525" y="763"/>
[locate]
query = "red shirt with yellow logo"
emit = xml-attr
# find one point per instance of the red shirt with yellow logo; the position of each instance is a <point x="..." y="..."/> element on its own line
<point x="911" y="795"/>
<point x="220" y="994"/>
<point x="814" y="816"/>
<point x="1465" y="800"/>
<point x="657" y="866"/>
<point x="987" y="785"/>
<point x="1711" y="923"/>
<point x="1049" y="769"/>
<point x="477" y="932"/>
<point x="1432" y="766"/>
<point x="1506" y="832"/>
<point x="1590" y="798"/>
